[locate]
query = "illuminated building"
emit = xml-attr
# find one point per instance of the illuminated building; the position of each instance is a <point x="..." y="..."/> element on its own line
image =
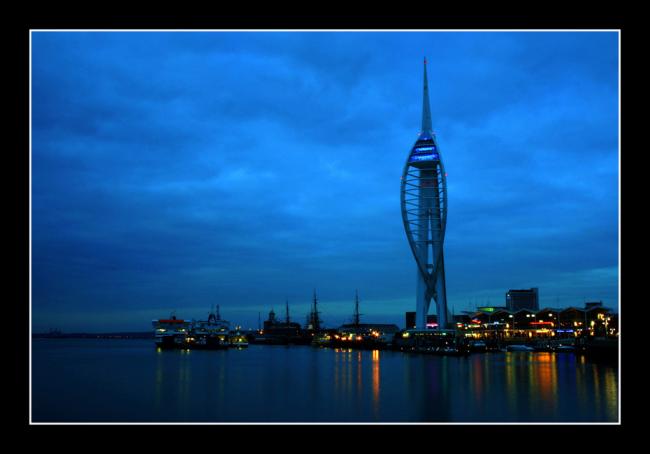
<point x="423" y="198"/>
<point x="593" y="320"/>
<point x="489" y="309"/>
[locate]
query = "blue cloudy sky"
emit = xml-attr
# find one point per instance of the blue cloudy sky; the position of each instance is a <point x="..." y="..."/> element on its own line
<point x="173" y="171"/>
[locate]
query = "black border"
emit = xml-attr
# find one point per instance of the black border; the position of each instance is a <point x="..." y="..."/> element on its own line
<point x="53" y="17"/>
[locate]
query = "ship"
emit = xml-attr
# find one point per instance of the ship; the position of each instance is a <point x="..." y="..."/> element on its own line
<point x="371" y="336"/>
<point x="277" y="332"/>
<point x="237" y="340"/>
<point x="170" y="332"/>
<point x="210" y="334"/>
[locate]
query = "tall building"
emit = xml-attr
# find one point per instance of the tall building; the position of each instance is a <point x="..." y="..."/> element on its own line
<point x="423" y="199"/>
<point x="409" y="319"/>
<point x="522" y="299"/>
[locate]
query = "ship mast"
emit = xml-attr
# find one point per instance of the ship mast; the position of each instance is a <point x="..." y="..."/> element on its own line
<point x="357" y="316"/>
<point x="315" y="321"/>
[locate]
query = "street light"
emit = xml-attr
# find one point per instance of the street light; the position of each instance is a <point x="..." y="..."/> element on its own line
<point x="513" y="324"/>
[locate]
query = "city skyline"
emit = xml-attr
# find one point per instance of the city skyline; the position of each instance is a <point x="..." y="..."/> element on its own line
<point x="176" y="171"/>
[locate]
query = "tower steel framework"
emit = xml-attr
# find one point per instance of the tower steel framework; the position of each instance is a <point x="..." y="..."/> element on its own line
<point x="423" y="198"/>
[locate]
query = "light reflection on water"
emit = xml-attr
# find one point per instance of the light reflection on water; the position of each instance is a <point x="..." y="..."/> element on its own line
<point x="112" y="380"/>
<point x="375" y="383"/>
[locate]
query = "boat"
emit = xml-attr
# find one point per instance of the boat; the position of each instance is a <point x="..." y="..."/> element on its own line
<point x="477" y="346"/>
<point x="519" y="348"/>
<point x="543" y="347"/>
<point x="434" y="341"/>
<point x="565" y="348"/>
<point x="210" y="334"/>
<point x="321" y="340"/>
<point x="237" y="340"/>
<point x="171" y="332"/>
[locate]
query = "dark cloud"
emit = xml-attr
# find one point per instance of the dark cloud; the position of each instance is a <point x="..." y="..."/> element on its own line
<point x="177" y="170"/>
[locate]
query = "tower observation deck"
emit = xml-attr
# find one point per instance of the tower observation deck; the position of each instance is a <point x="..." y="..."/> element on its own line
<point x="423" y="198"/>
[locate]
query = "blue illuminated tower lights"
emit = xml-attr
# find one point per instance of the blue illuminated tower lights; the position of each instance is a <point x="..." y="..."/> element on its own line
<point x="423" y="198"/>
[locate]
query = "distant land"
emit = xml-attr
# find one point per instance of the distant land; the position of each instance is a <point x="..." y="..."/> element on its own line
<point x="119" y="335"/>
<point x="55" y="334"/>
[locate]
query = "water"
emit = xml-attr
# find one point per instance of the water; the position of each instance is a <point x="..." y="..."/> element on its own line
<point x="84" y="380"/>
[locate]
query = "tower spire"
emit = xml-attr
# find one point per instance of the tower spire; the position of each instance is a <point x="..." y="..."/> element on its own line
<point x="426" y="109"/>
<point x="424" y="212"/>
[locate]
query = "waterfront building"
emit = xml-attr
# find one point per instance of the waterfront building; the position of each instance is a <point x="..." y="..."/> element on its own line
<point x="409" y="319"/>
<point x="423" y="200"/>
<point x="489" y="309"/>
<point x="282" y="332"/>
<point x="381" y="332"/>
<point x="522" y="299"/>
<point x="593" y="320"/>
<point x="357" y="331"/>
<point x="275" y="327"/>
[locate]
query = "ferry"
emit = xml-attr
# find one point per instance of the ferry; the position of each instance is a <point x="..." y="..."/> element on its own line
<point x="210" y="334"/>
<point x="171" y="332"/>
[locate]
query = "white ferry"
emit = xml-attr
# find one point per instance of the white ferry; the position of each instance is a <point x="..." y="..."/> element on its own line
<point x="171" y="332"/>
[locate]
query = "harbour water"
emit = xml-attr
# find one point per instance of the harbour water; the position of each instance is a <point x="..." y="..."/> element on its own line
<point x="111" y="380"/>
